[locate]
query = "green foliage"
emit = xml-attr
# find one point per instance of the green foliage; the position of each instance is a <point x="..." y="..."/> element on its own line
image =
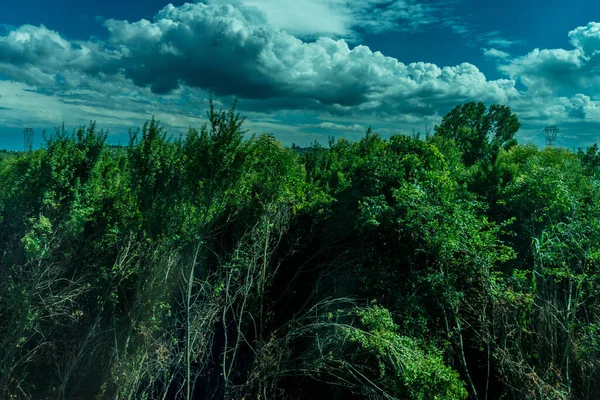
<point x="411" y="369"/>
<point x="222" y="265"/>
<point x="480" y="133"/>
<point x="590" y="160"/>
<point x="36" y="241"/>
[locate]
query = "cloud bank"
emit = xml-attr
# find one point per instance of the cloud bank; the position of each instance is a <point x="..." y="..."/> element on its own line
<point x="549" y="71"/>
<point x="236" y="51"/>
<point x="251" y="51"/>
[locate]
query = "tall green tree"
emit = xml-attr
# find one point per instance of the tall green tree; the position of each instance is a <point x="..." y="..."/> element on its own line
<point x="480" y="132"/>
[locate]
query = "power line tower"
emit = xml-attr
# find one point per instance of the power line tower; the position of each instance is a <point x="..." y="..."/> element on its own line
<point x="28" y="138"/>
<point x="550" y="132"/>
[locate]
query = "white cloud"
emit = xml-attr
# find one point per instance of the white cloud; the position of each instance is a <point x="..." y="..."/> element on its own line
<point x="504" y="43"/>
<point x="234" y="51"/>
<point x="311" y="18"/>
<point x="495" y="39"/>
<point x="550" y="71"/>
<point x="495" y="53"/>
<point x="45" y="48"/>
<point x="341" y="18"/>
<point x="586" y="38"/>
<point x="582" y="107"/>
<point x="341" y="127"/>
<point x="545" y="71"/>
<point x="457" y="24"/>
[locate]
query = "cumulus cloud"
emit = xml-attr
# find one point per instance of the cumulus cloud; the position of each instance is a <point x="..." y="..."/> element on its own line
<point x="341" y="18"/>
<point x="581" y="106"/>
<point x="38" y="45"/>
<point x="39" y="56"/>
<point x="561" y="86"/>
<point x="586" y="38"/>
<point x="550" y="71"/>
<point x="235" y="51"/>
<point x="546" y="70"/>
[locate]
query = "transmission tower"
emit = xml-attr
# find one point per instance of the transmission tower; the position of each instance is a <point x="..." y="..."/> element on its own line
<point x="550" y="132"/>
<point x="28" y="137"/>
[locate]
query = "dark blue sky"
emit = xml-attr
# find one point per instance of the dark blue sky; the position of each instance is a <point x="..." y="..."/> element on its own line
<point x="538" y="24"/>
<point x="268" y="54"/>
<point x="76" y="19"/>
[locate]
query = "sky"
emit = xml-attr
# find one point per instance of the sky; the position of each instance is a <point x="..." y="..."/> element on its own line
<point x="302" y="70"/>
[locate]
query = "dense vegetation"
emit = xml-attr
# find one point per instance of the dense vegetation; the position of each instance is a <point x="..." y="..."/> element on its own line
<point x="461" y="265"/>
